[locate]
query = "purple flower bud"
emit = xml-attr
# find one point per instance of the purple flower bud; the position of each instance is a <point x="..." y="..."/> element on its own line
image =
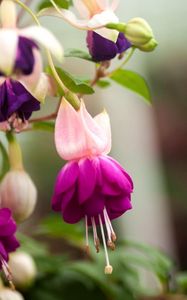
<point x="102" y="49"/>
<point x="15" y="98"/>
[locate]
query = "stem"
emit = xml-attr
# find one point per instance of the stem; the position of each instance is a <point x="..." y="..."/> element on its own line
<point x="25" y="7"/>
<point x="15" y="155"/>
<point x="22" y="11"/>
<point x="123" y="63"/>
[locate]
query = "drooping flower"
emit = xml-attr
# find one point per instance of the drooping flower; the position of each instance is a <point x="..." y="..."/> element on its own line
<point x="92" y="185"/>
<point x="8" y="241"/>
<point x="22" y="81"/>
<point x="103" y="44"/>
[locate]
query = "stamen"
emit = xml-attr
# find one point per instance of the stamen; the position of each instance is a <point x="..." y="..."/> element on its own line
<point x="110" y="243"/>
<point x="7" y="272"/>
<point x="108" y="267"/>
<point x="96" y="239"/>
<point x="87" y="248"/>
<point x="113" y="235"/>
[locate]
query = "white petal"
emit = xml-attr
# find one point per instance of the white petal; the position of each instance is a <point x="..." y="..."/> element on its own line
<point x="114" y="4"/>
<point x="41" y="90"/>
<point x="103" y="121"/>
<point x="8" y="50"/>
<point x="103" y="4"/>
<point x="8" y="14"/>
<point x="46" y="38"/>
<point x="65" y="14"/>
<point x="82" y="9"/>
<point x="109" y="34"/>
<point x="102" y="19"/>
<point x="31" y="81"/>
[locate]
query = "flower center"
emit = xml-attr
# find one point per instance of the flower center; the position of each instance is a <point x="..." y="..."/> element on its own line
<point x="111" y="236"/>
<point x="92" y="6"/>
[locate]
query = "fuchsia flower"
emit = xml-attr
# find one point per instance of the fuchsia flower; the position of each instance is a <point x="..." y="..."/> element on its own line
<point x="92" y="185"/>
<point x="8" y="241"/>
<point x="22" y="81"/>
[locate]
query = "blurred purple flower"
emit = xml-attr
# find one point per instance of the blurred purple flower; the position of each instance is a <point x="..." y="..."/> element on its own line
<point x="102" y="49"/>
<point x="8" y="241"/>
<point x="15" y="98"/>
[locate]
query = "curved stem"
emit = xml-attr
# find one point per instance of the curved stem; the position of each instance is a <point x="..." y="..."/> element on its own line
<point x="25" y="7"/>
<point x="123" y="63"/>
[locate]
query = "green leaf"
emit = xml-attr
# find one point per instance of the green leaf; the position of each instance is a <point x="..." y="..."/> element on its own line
<point x="103" y="83"/>
<point x="45" y="126"/>
<point x="74" y="84"/>
<point x="32" y="246"/>
<point x="5" y="161"/>
<point x="61" y="3"/>
<point x="78" y="54"/>
<point x="55" y="227"/>
<point x="133" y="82"/>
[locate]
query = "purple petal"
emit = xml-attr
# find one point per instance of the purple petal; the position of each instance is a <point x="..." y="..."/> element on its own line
<point x="14" y="98"/>
<point x="113" y="178"/>
<point x="94" y="205"/>
<point x="116" y="206"/>
<point x="25" y="57"/>
<point x="60" y="201"/>
<point x="3" y="252"/>
<point x="10" y="244"/>
<point x="67" y="177"/>
<point x="102" y="49"/>
<point x="86" y="180"/>
<point x="72" y="213"/>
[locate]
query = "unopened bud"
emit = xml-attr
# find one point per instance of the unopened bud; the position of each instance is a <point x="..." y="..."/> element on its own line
<point x="23" y="269"/>
<point x="150" y="46"/>
<point x="7" y="294"/>
<point x="18" y="193"/>
<point x="139" y="32"/>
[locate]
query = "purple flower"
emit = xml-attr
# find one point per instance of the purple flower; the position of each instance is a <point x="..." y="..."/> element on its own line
<point x="8" y="241"/>
<point x="92" y="185"/>
<point x="15" y="98"/>
<point x="102" y="49"/>
<point x="25" y="57"/>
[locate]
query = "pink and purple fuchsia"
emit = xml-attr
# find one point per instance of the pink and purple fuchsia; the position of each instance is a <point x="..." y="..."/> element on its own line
<point x="92" y="185"/>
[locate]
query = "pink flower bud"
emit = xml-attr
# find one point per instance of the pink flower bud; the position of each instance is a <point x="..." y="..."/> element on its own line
<point x="7" y="294"/>
<point x="23" y="269"/>
<point x="18" y="193"/>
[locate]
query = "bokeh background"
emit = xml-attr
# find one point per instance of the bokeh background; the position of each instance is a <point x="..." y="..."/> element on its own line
<point x="149" y="141"/>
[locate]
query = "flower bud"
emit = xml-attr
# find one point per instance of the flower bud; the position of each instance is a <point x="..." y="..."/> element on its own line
<point x="23" y="269"/>
<point x="7" y="294"/>
<point x="18" y="193"/>
<point x="139" y="32"/>
<point x="150" y="46"/>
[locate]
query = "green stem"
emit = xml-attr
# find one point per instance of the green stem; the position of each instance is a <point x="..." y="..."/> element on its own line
<point x="74" y="103"/>
<point x="15" y="154"/>
<point x="124" y="62"/>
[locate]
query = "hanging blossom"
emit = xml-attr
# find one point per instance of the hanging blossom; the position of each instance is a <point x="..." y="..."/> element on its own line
<point x="92" y="185"/>
<point x="103" y="44"/>
<point x="22" y="81"/>
<point x="8" y="241"/>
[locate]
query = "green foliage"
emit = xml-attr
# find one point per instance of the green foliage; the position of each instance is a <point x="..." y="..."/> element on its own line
<point x="103" y="83"/>
<point x="181" y="280"/>
<point x="78" y="54"/>
<point x="5" y="161"/>
<point x="61" y="3"/>
<point x="55" y="227"/>
<point x="74" y="84"/>
<point x="133" y="82"/>
<point x="44" y="126"/>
